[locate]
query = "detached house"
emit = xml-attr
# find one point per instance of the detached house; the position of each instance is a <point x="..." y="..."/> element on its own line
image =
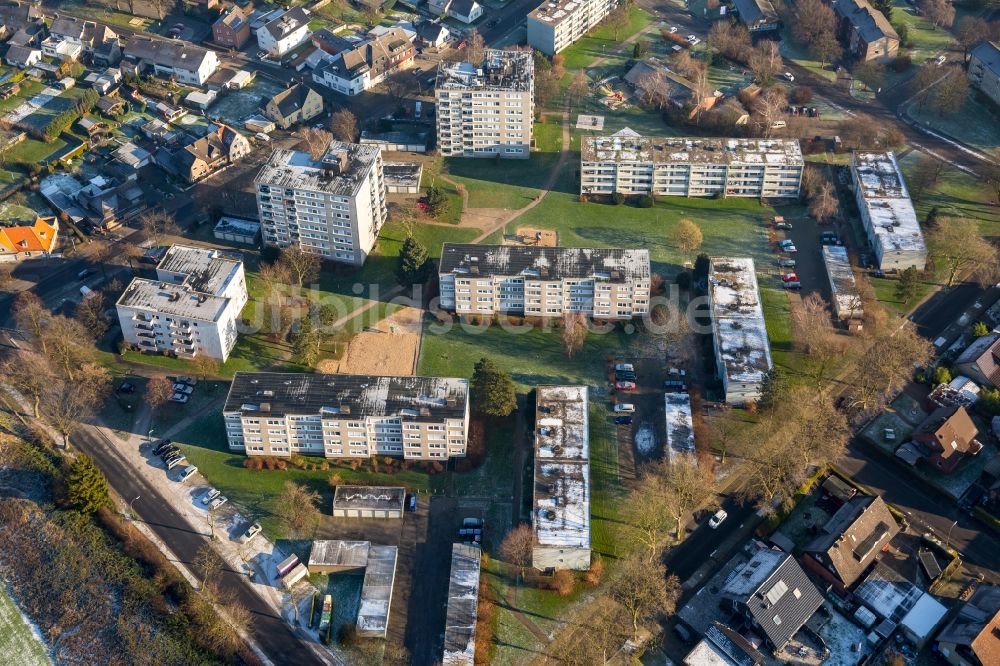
<point x="295" y="104"/>
<point x="219" y="148"/>
<point x="972" y="638"/>
<point x="172" y="59"/>
<point x="282" y="34"/>
<point x="21" y="24"/>
<point x="867" y="32"/>
<point x="35" y="240"/>
<point x="362" y="67"/>
<point x="22" y="57"/>
<point x="232" y="29"/>
<point x="851" y="541"/>
<point x="758" y="15"/>
<point x="943" y="439"/>
<point x="466" y="11"/>
<point x="85" y="34"/>
<point x="980" y="362"/>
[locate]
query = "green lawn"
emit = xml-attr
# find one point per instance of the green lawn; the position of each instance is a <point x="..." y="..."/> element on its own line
<point x="924" y="37"/>
<point x="977" y="123"/>
<point x="779" y="328"/>
<point x="802" y="57"/>
<point x="454" y="213"/>
<point x="18" y="644"/>
<point x="495" y="477"/>
<point x="885" y="291"/>
<point x="602" y="42"/>
<point x="204" y="444"/>
<point x="606" y="489"/>
<point x="32" y="151"/>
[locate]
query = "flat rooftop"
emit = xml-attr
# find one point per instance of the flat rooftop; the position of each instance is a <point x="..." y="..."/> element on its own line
<point x="402" y="174"/>
<point x="554" y="12"/>
<point x="679" y="426"/>
<point x="208" y="270"/>
<point x="463" y="601"/>
<point x="547" y="263"/>
<point x="681" y="150"/>
<point x="738" y="319"/>
<point x="888" y="203"/>
<point x="339" y="172"/>
<point x="378" y="498"/>
<point x="500" y="70"/>
<point x="277" y="394"/>
<point x="842" y="282"/>
<point x="562" y="467"/>
<point x="339" y="554"/>
<point x="376" y="591"/>
<point x="236" y="225"/>
<point x="172" y="299"/>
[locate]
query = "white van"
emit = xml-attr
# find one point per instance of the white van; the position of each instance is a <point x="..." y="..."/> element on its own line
<point x="624" y="408"/>
<point x="262" y="137"/>
<point x="778" y="124"/>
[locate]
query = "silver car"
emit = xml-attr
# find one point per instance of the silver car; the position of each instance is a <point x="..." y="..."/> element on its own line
<point x="217" y="502"/>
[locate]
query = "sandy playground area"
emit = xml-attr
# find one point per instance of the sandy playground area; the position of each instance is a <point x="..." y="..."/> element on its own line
<point x="532" y="236"/>
<point x="388" y="348"/>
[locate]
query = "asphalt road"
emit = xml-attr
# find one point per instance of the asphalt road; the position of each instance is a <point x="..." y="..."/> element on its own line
<point x="700" y="545"/>
<point x="272" y="634"/>
<point x="942" y="309"/>
<point x="511" y="16"/>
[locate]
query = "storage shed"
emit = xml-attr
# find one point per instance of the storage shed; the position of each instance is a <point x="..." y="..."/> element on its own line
<point x="369" y="502"/>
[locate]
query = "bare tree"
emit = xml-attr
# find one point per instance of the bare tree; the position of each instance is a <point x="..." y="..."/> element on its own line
<point x="765" y="60"/>
<point x="273" y="277"/>
<point x="90" y="314"/>
<point x="31" y="316"/>
<point x="574" y="332"/>
<point x="317" y="141"/>
<point x="475" y="48"/>
<point x="517" y="545"/>
<point x="924" y="176"/>
<point x="644" y="590"/>
<point x="666" y="493"/>
<point x="816" y="335"/>
<point x="67" y="403"/>
<point x="30" y="374"/>
<point x="158" y="223"/>
<point x="158" y="392"/>
<point x="344" y="126"/>
<point x="207" y="564"/>
<point x="885" y="367"/>
<point x="824" y="205"/>
<point x="205" y="367"/>
<point x="686" y="236"/>
<point x="654" y="88"/>
<point x="957" y="244"/>
<point x="949" y="95"/>
<point x="814" y="25"/>
<point x="578" y="89"/>
<point x="970" y="31"/>
<point x="769" y="106"/>
<point x="617" y="19"/>
<point x="298" y="508"/>
<point x="300" y="265"/>
<point x="940" y="13"/>
<point x="70" y="345"/>
<point x="731" y="39"/>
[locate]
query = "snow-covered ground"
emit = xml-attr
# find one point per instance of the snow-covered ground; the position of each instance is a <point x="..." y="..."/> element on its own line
<point x="645" y="439"/>
<point x="21" y="642"/>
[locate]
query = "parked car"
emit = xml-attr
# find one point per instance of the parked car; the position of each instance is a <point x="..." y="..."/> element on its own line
<point x="624" y="376"/>
<point x="624" y="408"/>
<point x="168" y="452"/>
<point x="784" y="242"/>
<point x="624" y="367"/>
<point x="411" y="502"/>
<point x="790" y="277"/>
<point x="187" y="473"/>
<point x="172" y="457"/>
<point x="791" y="285"/>
<point x="717" y="519"/>
<point x="623" y="420"/>
<point x="790" y="249"/>
<point x="217" y="502"/>
<point x="783" y="225"/>
<point x="160" y="445"/>
<point x="673" y="30"/>
<point x="625" y="386"/>
<point x="179" y="397"/>
<point x="183" y="388"/>
<point x="190" y="381"/>
<point x="210" y="495"/>
<point x="180" y="460"/>
<point x="940" y="60"/>
<point x="786" y="263"/>
<point x="126" y="387"/>
<point x="788" y="77"/>
<point x="250" y="532"/>
<point x="691" y="38"/>
<point x="829" y="238"/>
<point x="84" y="273"/>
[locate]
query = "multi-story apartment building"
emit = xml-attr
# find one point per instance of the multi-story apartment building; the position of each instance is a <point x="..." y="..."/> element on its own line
<point x="739" y="335"/>
<point x="347" y="416"/>
<point x="867" y="32"/>
<point x="333" y="207"/>
<point x="887" y="213"/>
<point x="690" y="167"/>
<point x="558" y="23"/>
<point x="190" y="309"/>
<point x="486" y="109"/>
<point x="359" y="67"/>
<point x="561" y="503"/>
<point x="984" y="69"/>
<point x="603" y="283"/>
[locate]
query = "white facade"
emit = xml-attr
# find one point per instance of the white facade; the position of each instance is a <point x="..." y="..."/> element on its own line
<point x="191" y="309"/>
<point x="333" y="207"/>
<point x="561" y="505"/>
<point x="887" y="213"/>
<point x="284" y="34"/>
<point x="487" y="109"/>
<point x="984" y="69"/>
<point x="690" y="167"/>
<point x="558" y="23"/>
<point x="739" y="334"/>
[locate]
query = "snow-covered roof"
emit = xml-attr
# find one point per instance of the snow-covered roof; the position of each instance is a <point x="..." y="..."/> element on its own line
<point x="680" y="429"/>
<point x="738" y="319"/>
<point x="562" y="469"/>
<point x="696" y="150"/>
<point x="463" y="600"/>
<point x="376" y="591"/>
<point x="843" y="287"/>
<point x="924" y="617"/>
<point x="884" y="196"/>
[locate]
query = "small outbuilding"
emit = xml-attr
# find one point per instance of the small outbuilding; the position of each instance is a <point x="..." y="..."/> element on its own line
<point x="369" y="502"/>
<point x="334" y="556"/>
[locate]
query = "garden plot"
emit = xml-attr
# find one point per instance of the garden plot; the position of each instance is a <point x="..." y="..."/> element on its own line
<point x="20" y="641"/>
<point x="32" y="105"/>
<point x="235" y="106"/>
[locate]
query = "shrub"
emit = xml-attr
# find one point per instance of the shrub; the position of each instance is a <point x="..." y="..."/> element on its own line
<point x="563" y="583"/>
<point x="618" y="198"/>
<point x="281" y="464"/>
<point x="902" y="63"/>
<point x="644" y="201"/>
<point x="253" y="463"/>
<point x="593" y="575"/>
<point x="324" y="466"/>
<point x="800" y="95"/>
<point x="299" y="462"/>
<point x="436" y="467"/>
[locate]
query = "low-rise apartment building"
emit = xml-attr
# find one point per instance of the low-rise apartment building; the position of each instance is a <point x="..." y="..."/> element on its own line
<point x="739" y="334"/>
<point x="846" y="298"/>
<point x="486" y="109"/>
<point x="359" y="68"/>
<point x="984" y="69"/>
<point x="190" y="309"/>
<point x="602" y="283"/>
<point x="561" y="507"/>
<point x="887" y="213"/>
<point x="690" y="167"/>
<point x="332" y="207"/>
<point x="866" y="30"/>
<point x="232" y="29"/>
<point x="556" y="24"/>
<point x="347" y="416"/>
<point x="170" y="58"/>
<point x="758" y="15"/>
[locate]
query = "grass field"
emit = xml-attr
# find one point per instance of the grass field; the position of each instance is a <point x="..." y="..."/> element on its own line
<point x="204" y="444"/>
<point x="602" y="42"/>
<point x="606" y="487"/>
<point x="957" y="194"/>
<point x="977" y="123"/>
<point x="925" y="39"/>
<point x="18" y="644"/>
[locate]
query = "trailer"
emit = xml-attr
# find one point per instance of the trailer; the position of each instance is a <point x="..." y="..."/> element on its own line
<point x="327" y="615"/>
<point x="287" y="564"/>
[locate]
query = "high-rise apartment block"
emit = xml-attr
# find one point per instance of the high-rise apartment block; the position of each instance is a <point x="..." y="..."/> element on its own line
<point x="558" y="23"/>
<point x="690" y="167"/>
<point x="190" y="309"/>
<point x="332" y="207"/>
<point x="603" y="283"/>
<point x="887" y="213"/>
<point x="347" y="416"/>
<point x="486" y="109"/>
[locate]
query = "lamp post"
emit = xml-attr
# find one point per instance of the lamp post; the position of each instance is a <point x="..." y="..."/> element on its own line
<point x="947" y="540"/>
<point x="131" y="513"/>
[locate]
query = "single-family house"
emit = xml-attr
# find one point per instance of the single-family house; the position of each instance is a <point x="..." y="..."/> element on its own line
<point x="295" y="104"/>
<point x="88" y="35"/>
<point x="22" y="57"/>
<point x="284" y="33"/>
<point x="22" y="23"/>
<point x="171" y="59"/>
<point x="851" y="541"/>
<point x="366" y="65"/>
<point x="972" y="638"/>
<point x="132" y="157"/>
<point x="866" y="31"/>
<point x="26" y="241"/>
<point x="980" y="361"/>
<point x="219" y="148"/>
<point x="232" y="29"/>
<point x="432" y="34"/>
<point x="945" y="437"/>
<point x="758" y="15"/>
<point x="61" y="49"/>
<point x="466" y="11"/>
<point x="111" y="106"/>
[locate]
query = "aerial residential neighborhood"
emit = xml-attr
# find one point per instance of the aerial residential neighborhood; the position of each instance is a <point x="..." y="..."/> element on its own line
<point x="510" y="332"/>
